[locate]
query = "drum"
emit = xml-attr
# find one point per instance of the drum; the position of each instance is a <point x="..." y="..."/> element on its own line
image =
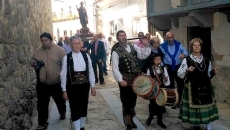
<point x="167" y="97"/>
<point x="145" y="87"/>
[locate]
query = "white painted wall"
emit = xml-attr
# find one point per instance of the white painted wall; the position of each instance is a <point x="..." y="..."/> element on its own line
<point x="127" y="13"/>
<point x="73" y="25"/>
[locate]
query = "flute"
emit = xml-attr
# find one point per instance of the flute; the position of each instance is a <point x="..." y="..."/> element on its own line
<point x="162" y="71"/>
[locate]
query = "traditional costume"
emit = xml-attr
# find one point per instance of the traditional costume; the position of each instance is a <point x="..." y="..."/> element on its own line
<point x="76" y="78"/>
<point x="198" y="103"/>
<point x="126" y="67"/>
<point x="157" y="72"/>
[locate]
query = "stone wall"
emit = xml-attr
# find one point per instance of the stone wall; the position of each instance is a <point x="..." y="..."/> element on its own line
<point x="220" y="37"/>
<point x="21" y="23"/>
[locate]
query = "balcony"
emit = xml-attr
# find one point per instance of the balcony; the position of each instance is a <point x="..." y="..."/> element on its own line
<point x="162" y="7"/>
<point x="162" y="12"/>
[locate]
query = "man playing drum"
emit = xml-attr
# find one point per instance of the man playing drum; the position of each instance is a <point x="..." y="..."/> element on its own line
<point x="160" y="74"/>
<point x="125" y="69"/>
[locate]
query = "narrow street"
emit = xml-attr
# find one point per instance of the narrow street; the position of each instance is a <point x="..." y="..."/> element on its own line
<point x="104" y="113"/>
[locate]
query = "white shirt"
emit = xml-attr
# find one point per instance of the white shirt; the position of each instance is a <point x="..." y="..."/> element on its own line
<point x="142" y="53"/>
<point x="79" y="65"/>
<point x="167" y="83"/>
<point x="107" y="45"/>
<point x="183" y="68"/>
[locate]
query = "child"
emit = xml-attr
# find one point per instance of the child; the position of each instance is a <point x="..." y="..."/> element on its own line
<point x="160" y="74"/>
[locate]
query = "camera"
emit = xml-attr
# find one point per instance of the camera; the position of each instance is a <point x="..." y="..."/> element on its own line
<point x="40" y="63"/>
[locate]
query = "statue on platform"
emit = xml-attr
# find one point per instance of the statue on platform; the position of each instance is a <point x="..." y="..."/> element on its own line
<point x="83" y="15"/>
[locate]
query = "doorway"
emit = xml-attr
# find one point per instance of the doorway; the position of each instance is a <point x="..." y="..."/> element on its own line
<point x="205" y="35"/>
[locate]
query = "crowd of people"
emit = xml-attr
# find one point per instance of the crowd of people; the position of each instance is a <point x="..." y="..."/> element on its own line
<point x="67" y="70"/>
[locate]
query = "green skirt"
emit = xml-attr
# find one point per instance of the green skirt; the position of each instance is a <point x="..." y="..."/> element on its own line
<point x="193" y="115"/>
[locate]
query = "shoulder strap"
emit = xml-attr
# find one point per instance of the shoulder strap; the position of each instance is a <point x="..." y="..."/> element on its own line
<point x="157" y="76"/>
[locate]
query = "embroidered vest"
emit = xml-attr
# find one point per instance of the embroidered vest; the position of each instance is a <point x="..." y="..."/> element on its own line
<point x="79" y="77"/>
<point x="152" y="74"/>
<point x="128" y="63"/>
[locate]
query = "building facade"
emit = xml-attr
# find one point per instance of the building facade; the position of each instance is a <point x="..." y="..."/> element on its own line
<point x="206" y="19"/>
<point x="127" y="15"/>
<point x="66" y="19"/>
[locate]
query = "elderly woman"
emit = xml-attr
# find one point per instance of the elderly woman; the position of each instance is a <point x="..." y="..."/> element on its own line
<point x="77" y="76"/>
<point x="198" y="104"/>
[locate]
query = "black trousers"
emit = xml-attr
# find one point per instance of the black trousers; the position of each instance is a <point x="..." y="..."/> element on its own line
<point x="44" y="92"/>
<point x="172" y="77"/>
<point x="78" y="100"/>
<point x="100" y="68"/>
<point x="155" y="109"/>
<point x="105" y="66"/>
<point x="128" y="100"/>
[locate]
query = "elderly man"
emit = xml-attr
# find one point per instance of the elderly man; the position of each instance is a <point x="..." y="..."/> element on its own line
<point x="174" y="53"/>
<point x="67" y="47"/>
<point x="77" y="81"/>
<point x="47" y="61"/>
<point x="107" y="51"/>
<point x="97" y="54"/>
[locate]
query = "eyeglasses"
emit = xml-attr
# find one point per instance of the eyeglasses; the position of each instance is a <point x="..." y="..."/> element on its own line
<point x="140" y="35"/>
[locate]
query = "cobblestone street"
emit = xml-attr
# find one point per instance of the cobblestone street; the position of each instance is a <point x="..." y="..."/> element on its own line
<point x="104" y="113"/>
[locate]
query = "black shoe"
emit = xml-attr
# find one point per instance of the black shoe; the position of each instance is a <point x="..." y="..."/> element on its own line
<point x="41" y="127"/>
<point x="103" y="83"/>
<point x="105" y="73"/>
<point x="82" y="128"/>
<point x="180" y="116"/>
<point x="196" y="128"/>
<point x="128" y="127"/>
<point x="161" y="124"/>
<point x="62" y="117"/>
<point x="178" y="105"/>
<point x="173" y="107"/>
<point x="133" y="124"/>
<point x="46" y="125"/>
<point x="148" y="121"/>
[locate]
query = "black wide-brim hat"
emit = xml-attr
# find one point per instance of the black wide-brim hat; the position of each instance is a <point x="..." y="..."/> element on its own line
<point x="152" y="56"/>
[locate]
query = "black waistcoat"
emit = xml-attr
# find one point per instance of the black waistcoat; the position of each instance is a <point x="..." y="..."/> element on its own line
<point x="200" y="82"/>
<point x="79" y="77"/>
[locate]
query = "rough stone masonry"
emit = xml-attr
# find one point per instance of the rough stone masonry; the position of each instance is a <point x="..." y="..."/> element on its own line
<point x="21" y="23"/>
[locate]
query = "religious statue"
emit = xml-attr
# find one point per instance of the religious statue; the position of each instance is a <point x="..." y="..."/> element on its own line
<point x="83" y="15"/>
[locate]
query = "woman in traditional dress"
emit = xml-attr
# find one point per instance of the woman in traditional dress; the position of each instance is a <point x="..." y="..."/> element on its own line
<point x="77" y="76"/>
<point x="198" y="104"/>
<point x="160" y="74"/>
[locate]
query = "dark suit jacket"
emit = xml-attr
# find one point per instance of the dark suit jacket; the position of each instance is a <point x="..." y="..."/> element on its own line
<point x="60" y="44"/>
<point x="100" y="51"/>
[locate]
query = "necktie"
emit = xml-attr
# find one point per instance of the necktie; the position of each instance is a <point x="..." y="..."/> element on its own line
<point x="96" y="44"/>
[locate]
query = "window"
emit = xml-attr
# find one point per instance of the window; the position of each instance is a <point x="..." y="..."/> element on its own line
<point x="61" y="14"/>
<point x="200" y="1"/>
<point x="141" y="5"/>
<point x="71" y="33"/>
<point x="111" y="27"/>
<point x="65" y="32"/>
<point x="136" y="26"/>
<point x="132" y="2"/>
